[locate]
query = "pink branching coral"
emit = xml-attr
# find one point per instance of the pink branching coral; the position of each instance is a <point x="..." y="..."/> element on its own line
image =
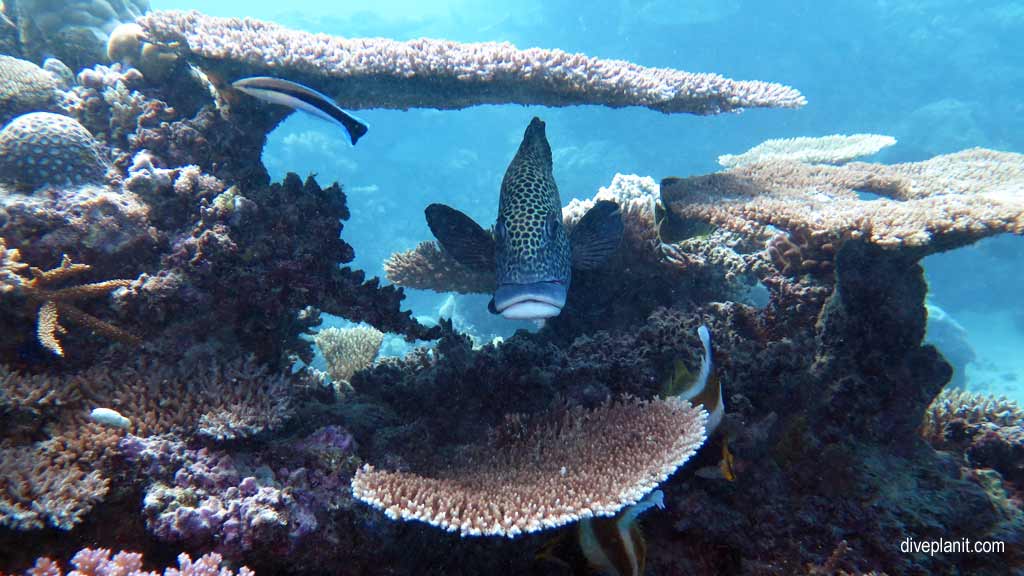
<point x="102" y="562"/>
<point x="925" y="207"/>
<point x="587" y="463"/>
<point x="382" y="73"/>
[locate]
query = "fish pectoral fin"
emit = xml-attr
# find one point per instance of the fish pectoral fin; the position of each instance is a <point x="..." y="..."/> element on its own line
<point x="596" y="236"/>
<point x="492" y="308"/>
<point x="462" y="238"/>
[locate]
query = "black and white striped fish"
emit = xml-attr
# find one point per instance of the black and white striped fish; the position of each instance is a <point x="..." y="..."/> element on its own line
<point x="299" y="97"/>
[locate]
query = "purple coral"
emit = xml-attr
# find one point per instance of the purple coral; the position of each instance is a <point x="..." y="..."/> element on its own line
<point x="209" y="497"/>
<point x="43" y="148"/>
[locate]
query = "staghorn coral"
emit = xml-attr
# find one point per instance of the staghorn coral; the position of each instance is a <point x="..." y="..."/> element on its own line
<point x="834" y="149"/>
<point x="58" y="301"/>
<point x="587" y="463"/>
<point x="347" y="351"/>
<point x="925" y="207"/>
<point x="74" y="30"/>
<point x="45" y="149"/>
<point x="24" y="87"/>
<point x="381" y="73"/>
<point x="54" y="303"/>
<point x="103" y="562"/>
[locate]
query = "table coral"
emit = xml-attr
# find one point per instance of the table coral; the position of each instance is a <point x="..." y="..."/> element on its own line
<point x="381" y="73"/>
<point x="543" y="475"/>
<point x="42" y="148"/>
<point x="834" y="149"/>
<point x="923" y="207"/>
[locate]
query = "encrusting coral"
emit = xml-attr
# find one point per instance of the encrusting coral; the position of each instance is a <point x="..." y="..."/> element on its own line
<point x="544" y="475"/>
<point x="834" y="149"/>
<point x="381" y="73"/>
<point x="42" y="148"/>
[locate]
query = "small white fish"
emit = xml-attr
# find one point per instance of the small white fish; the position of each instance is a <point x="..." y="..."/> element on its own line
<point x="299" y="97"/>
<point x="109" y="417"/>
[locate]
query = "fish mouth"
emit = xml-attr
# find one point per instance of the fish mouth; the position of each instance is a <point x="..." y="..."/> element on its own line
<point x="531" y="301"/>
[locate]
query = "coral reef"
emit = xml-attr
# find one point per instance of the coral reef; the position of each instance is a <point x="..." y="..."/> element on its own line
<point x="42" y="148"/>
<point x="540" y="476"/>
<point x="382" y="73"/>
<point x="834" y="149"/>
<point x="103" y="562"/>
<point x="217" y="440"/>
<point x="222" y="400"/>
<point x="75" y="31"/>
<point x="24" y="87"/>
<point x="347" y="351"/>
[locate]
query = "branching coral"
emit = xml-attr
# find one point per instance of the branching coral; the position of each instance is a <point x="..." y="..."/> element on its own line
<point x="380" y="73"/>
<point x="925" y="207"/>
<point x="348" y="350"/>
<point x="103" y="562"/>
<point x="587" y="463"/>
<point x="835" y="149"/>
<point x="427" y="267"/>
<point x="54" y="303"/>
<point x="971" y="409"/>
<point x="58" y="480"/>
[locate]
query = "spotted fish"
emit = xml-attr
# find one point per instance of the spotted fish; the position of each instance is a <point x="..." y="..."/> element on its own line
<point x="528" y="248"/>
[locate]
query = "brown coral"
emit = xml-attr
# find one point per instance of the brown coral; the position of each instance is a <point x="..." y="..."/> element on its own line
<point x="587" y="463"/>
<point x="381" y="73"/>
<point x="58" y="480"/>
<point x="55" y="303"/>
<point x="955" y="404"/>
<point x="427" y="267"/>
<point x="24" y="87"/>
<point x="924" y="207"/>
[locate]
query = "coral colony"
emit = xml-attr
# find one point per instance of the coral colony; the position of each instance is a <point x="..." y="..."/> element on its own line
<point x="156" y="291"/>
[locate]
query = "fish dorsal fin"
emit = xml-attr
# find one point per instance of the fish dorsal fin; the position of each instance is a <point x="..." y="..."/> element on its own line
<point x="596" y="236"/>
<point x="462" y="238"/>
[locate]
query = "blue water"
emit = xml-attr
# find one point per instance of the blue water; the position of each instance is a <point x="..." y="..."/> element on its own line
<point x="938" y="75"/>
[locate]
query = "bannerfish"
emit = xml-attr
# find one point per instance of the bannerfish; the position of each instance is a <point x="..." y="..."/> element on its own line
<point x="528" y="248"/>
<point x="612" y="546"/>
<point x="299" y="97"/>
<point x="706" y="389"/>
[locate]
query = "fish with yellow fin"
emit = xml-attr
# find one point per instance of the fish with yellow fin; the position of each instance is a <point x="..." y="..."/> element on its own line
<point x="705" y="390"/>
